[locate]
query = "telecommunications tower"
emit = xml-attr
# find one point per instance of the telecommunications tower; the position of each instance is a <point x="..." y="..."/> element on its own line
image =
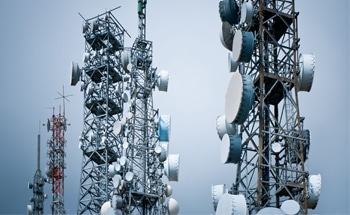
<point x="38" y="189"/>
<point x="124" y="140"/>
<point x="57" y="125"/>
<point x="262" y="131"/>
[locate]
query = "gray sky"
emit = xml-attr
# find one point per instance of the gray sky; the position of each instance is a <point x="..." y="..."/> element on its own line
<point x="40" y="38"/>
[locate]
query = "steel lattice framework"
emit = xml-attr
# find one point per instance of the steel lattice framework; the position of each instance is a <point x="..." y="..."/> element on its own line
<point x="122" y="170"/>
<point x="268" y="177"/>
<point x="102" y="75"/>
<point x="38" y="189"/>
<point x="56" y="164"/>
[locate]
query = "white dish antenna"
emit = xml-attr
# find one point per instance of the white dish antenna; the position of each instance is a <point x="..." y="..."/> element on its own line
<point x="173" y="207"/>
<point x="290" y="207"/>
<point x="129" y="176"/>
<point x="29" y="209"/>
<point x="216" y="192"/>
<point x="270" y="211"/>
<point x="313" y="190"/>
<point x="162" y="151"/>
<point x="163" y="80"/>
<point x="223" y="127"/>
<point x="171" y="167"/>
<point x="76" y="73"/>
<point x="232" y="65"/>
<point x="116" y="180"/>
<point x="276" y="148"/>
<point x="164" y="127"/>
<point x="228" y="10"/>
<point x="231" y="205"/>
<point x="117" y="201"/>
<point x="226" y="35"/>
<point x="307" y="69"/>
<point x="239" y="98"/>
<point x="247" y="12"/>
<point x="231" y="149"/>
<point x="168" y="191"/>
<point x="126" y="59"/>
<point x="107" y="209"/>
<point x="243" y="46"/>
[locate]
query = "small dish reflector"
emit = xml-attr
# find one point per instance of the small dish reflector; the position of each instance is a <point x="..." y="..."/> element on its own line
<point x="232" y="65"/>
<point x="126" y="59"/>
<point x="313" y="190"/>
<point x="231" y="205"/>
<point x="223" y="127"/>
<point x="163" y="80"/>
<point x="231" y="149"/>
<point x="129" y="176"/>
<point x="216" y="192"/>
<point x="290" y="207"/>
<point x="307" y="69"/>
<point x="243" y="46"/>
<point x="173" y="207"/>
<point x="163" y="147"/>
<point x="123" y="160"/>
<point x="107" y="209"/>
<point x="164" y="127"/>
<point x="276" y="148"/>
<point x="228" y="10"/>
<point x="270" y="211"/>
<point x="117" y="201"/>
<point x="129" y="115"/>
<point x="30" y="209"/>
<point x="76" y="73"/>
<point x="226" y="35"/>
<point x="169" y="190"/>
<point x="239" y="98"/>
<point x="171" y="167"/>
<point x="246" y="12"/>
<point x="116" y="180"/>
<point x="111" y="170"/>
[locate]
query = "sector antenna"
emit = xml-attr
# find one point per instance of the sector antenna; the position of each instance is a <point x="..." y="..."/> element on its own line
<point x="125" y="139"/>
<point x="262" y="131"/>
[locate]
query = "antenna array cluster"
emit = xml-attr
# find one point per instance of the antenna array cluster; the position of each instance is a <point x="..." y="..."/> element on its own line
<point x="262" y="131"/>
<point x="56" y="165"/>
<point x="124" y="139"/>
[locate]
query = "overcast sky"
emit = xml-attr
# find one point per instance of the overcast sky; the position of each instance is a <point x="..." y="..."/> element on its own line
<point x="40" y="38"/>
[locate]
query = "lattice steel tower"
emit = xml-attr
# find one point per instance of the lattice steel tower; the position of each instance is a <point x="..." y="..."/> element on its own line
<point x="56" y="165"/>
<point x="38" y="189"/>
<point x="124" y="142"/>
<point x="262" y="130"/>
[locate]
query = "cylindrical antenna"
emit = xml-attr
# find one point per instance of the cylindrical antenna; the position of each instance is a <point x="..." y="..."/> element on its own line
<point x="39" y="148"/>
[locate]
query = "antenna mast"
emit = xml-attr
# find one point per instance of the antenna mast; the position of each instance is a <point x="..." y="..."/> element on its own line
<point x="262" y="131"/>
<point x="38" y="188"/>
<point x="56" y="165"/>
<point x="124" y="143"/>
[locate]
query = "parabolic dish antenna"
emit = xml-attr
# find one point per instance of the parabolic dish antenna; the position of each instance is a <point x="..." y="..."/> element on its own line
<point x="163" y="80"/>
<point x="117" y="127"/>
<point x="117" y="201"/>
<point x="270" y="211"/>
<point x="276" y="148"/>
<point x="307" y="69"/>
<point x="107" y="209"/>
<point x="226" y="35"/>
<point x="239" y="98"/>
<point x="171" y="167"/>
<point x="228" y="10"/>
<point x="231" y="149"/>
<point x="223" y="127"/>
<point x="162" y="151"/>
<point x="246" y="12"/>
<point x="290" y="207"/>
<point x="231" y="205"/>
<point x="129" y="176"/>
<point x="126" y="59"/>
<point x="243" y="46"/>
<point x="232" y="65"/>
<point x="116" y="180"/>
<point x="30" y="209"/>
<point x="216" y="192"/>
<point x="164" y="127"/>
<point x="173" y="207"/>
<point x="76" y="73"/>
<point x="169" y="190"/>
<point x="313" y="190"/>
